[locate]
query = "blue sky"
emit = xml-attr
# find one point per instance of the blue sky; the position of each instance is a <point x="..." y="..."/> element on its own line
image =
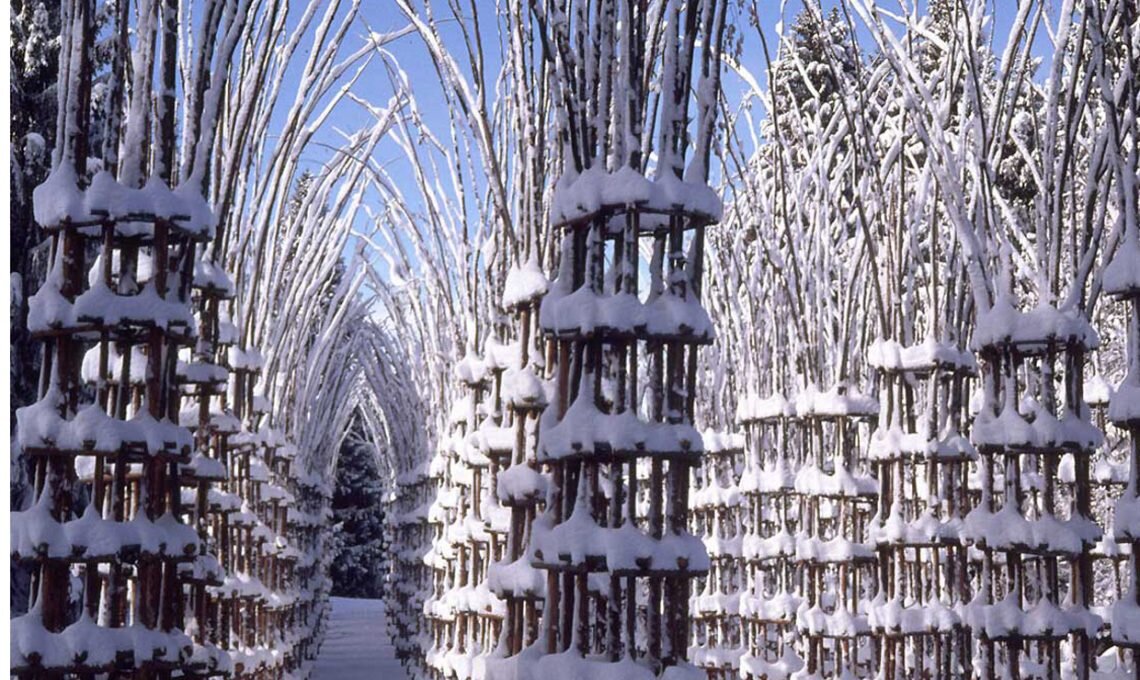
<point x="383" y="16"/>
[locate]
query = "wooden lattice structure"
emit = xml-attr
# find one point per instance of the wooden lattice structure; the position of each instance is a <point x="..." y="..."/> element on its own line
<point x="718" y="510"/>
<point x="612" y="577"/>
<point x="410" y="579"/>
<point x="768" y="603"/>
<point x="464" y="616"/>
<point x="1122" y="280"/>
<point x="519" y="486"/>
<point x="205" y="378"/>
<point x="107" y="455"/>
<point x="836" y="564"/>
<point x="1109" y="478"/>
<point x="1036" y="537"/>
<point x="306" y="522"/>
<point x="922" y="461"/>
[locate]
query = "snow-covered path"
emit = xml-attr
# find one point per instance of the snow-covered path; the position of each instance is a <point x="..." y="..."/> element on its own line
<point x="357" y="645"/>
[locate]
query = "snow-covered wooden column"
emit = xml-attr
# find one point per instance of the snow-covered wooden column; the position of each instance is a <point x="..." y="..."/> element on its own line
<point x="769" y="602"/>
<point x="410" y="577"/>
<point x="613" y="578"/>
<point x="495" y="441"/>
<point x="107" y="482"/>
<point x="461" y="539"/>
<point x="203" y="377"/>
<point x="306" y="522"/>
<point x="617" y="436"/>
<point x="837" y="493"/>
<point x="440" y="555"/>
<point x="1111" y="470"/>
<point x="243" y="589"/>
<point x="1122" y="281"/>
<point x="479" y="537"/>
<point x="718" y="516"/>
<point x="276" y="556"/>
<point x="1036" y="542"/>
<point x="520" y="487"/>
<point x="922" y="460"/>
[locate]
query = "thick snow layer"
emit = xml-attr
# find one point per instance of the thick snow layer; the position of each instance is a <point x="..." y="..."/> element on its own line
<point x="715" y="657"/>
<point x="579" y="540"/>
<point x="59" y="198"/>
<point x="595" y="189"/>
<point x="1007" y="529"/>
<point x="754" y="408"/>
<point x="1122" y="275"/>
<point x="36" y="533"/>
<point x="100" y="304"/>
<point x="524" y="284"/>
<point x="471" y="369"/>
<point x="1041" y="325"/>
<point x="926" y="529"/>
<point x="584" y="429"/>
<point x="1011" y="429"/>
<point x="1124" y="408"/>
<point x="522" y="389"/>
<point x="137" y="365"/>
<point x="491" y="438"/>
<point x="839" y="623"/>
<point x="759" y="548"/>
<point x="713" y="496"/>
<point x="585" y="313"/>
<point x="892" y="443"/>
<point x="909" y="618"/>
<point x="85" y="642"/>
<point x="780" y="606"/>
<point x="840" y="400"/>
<point x="1045" y="619"/>
<point x="783" y="668"/>
<point x="1098" y="391"/>
<point x="723" y="442"/>
<point x="521" y="484"/>
<point x="812" y="481"/>
<point x="40" y="425"/>
<point x="925" y="356"/>
<point x="774" y="478"/>
<point x="212" y="277"/>
<point x="516" y="579"/>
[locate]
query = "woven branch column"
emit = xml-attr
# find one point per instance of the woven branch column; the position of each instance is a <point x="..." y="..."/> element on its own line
<point x="463" y="615"/>
<point x="410" y="577"/>
<point x="204" y="378"/>
<point x="1035" y="534"/>
<point x="519" y="487"/>
<point x="836" y="564"/>
<point x="104" y="436"/>
<point x="718" y="510"/>
<point x="617" y="584"/>
<point x="769" y="602"/>
<point x="1122" y="281"/>
<point x="923" y="462"/>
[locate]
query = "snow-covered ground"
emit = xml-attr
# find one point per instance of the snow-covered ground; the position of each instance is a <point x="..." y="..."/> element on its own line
<point x="357" y="644"/>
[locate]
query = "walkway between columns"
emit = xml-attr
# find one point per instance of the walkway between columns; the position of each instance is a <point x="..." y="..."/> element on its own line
<point x="357" y="645"/>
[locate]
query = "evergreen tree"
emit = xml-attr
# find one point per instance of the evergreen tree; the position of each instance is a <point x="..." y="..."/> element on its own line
<point x="360" y="564"/>
<point x="33" y="74"/>
<point x="809" y="78"/>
